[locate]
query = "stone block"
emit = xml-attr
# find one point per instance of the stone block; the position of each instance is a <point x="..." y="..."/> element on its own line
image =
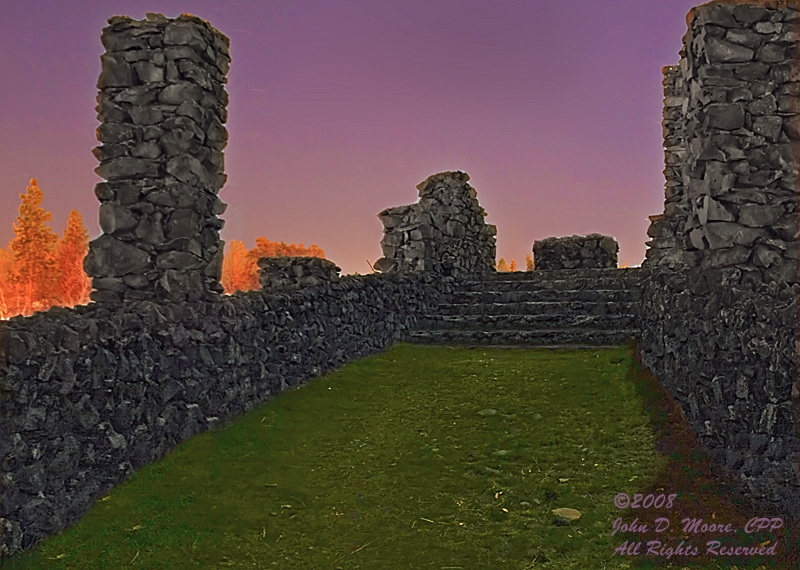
<point x="288" y="273"/>
<point x="592" y="251"/>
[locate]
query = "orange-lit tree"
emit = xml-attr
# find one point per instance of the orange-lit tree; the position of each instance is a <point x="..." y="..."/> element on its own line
<point x="74" y="285"/>
<point x="528" y="263"/>
<point x="9" y="300"/>
<point x="266" y="248"/>
<point x="502" y="265"/>
<point x="34" y="253"/>
<point x="513" y="266"/>
<point x="238" y="269"/>
<point x="240" y="266"/>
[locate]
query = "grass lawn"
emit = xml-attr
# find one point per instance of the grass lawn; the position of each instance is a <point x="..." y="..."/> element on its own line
<point x="425" y="457"/>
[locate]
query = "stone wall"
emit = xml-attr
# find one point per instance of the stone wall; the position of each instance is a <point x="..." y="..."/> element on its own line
<point x="444" y="232"/>
<point x="91" y="394"/>
<point x="593" y="251"/>
<point x="287" y="273"/>
<point x="161" y="106"/>
<point x="719" y="311"/>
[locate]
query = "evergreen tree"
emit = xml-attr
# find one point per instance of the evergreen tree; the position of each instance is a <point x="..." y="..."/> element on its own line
<point x="74" y="285"/>
<point x="34" y="252"/>
<point x="9" y="300"/>
<point x="528" y="263"/>
<point x="502" y="265"/>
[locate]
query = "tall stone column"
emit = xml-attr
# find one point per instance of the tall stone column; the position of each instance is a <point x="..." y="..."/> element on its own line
<point x="161" y="105"/>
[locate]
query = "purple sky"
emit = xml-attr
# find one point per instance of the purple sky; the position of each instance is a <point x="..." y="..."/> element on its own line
<point x="338" y="109"/>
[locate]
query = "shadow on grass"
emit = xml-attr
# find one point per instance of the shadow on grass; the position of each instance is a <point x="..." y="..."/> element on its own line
<point x="708" y="490"/>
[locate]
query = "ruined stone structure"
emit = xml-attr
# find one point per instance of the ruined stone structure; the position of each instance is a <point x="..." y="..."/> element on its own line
<point x="593" y="251"/>
<point x="162" y="105"/>
<point x="93" y="393"/>
<point x="444" y="232"/>
<point x="719" y="311"/>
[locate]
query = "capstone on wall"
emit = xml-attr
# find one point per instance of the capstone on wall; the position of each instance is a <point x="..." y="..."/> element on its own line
<point x="719" y="308"/>
<point x="162" y="105"/>
<point x="593" y="251"/>
<point x="444" y="232"/>
<point x="288" y="273"/>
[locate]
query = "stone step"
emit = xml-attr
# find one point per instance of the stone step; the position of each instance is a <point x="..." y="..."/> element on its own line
<point x="544" y="308"/>
<point x="473" y="297"/>
<point x="530" y="308"/>
<point x="576" y="283"/>
<point x="614" y="321"/>
<point x="543" y="337"/>
<point x="628" y="272"/>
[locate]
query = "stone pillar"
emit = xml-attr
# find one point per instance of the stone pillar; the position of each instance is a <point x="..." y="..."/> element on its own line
<point x="739" y="126"/>
<point x="670" y="246"/>
<point x="732" y="123"/>
<point x="161" y="105"/>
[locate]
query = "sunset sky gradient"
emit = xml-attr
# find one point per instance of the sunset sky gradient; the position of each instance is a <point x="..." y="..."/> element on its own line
<point x="338" y="109"/>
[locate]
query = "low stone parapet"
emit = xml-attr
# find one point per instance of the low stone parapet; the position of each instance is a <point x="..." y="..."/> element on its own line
<point x="287" y="273"/>
<point x="593" y="251"/>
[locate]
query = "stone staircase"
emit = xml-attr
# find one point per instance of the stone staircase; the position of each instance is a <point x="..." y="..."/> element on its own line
<point x="576" y="308"/>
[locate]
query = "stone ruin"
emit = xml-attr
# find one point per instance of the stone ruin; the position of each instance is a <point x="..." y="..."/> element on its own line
<point x="93" y="393"/>
<point x="593" y="251"/>
<point x="728" y="121"/>
<point x="162" y="105"/>
<point x="719" y="310"/>
<point x="288" y="273"/>
<point x="444" y="232"/>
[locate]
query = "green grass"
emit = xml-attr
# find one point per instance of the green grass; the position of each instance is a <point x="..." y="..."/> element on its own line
<point x="419" y="457"/>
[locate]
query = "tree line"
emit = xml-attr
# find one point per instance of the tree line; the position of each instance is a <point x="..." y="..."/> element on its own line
<point x="39" y="270"/>
<point x="505" y="267"/>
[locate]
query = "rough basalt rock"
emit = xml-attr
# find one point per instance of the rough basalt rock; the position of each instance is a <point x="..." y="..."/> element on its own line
<point x="444" y="232"/>
<point x="593" y="251"/>
<point x="91" y="394"/>
<point x="288" y="273"/>
<point x="162" y="105"/>
<point x="719" y="320"/>
<point x="728" y="129"/>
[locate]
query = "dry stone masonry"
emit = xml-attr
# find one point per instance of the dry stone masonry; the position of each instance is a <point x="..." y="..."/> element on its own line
<point x="719" y="315"/>
<point x="444" y="232"/>
<point x="288" y="273"/>
<point x="162" y="105"/>
<point x="91" y="394"/>
<point x="593" y="251"/>
<point x="670" y="246"/>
